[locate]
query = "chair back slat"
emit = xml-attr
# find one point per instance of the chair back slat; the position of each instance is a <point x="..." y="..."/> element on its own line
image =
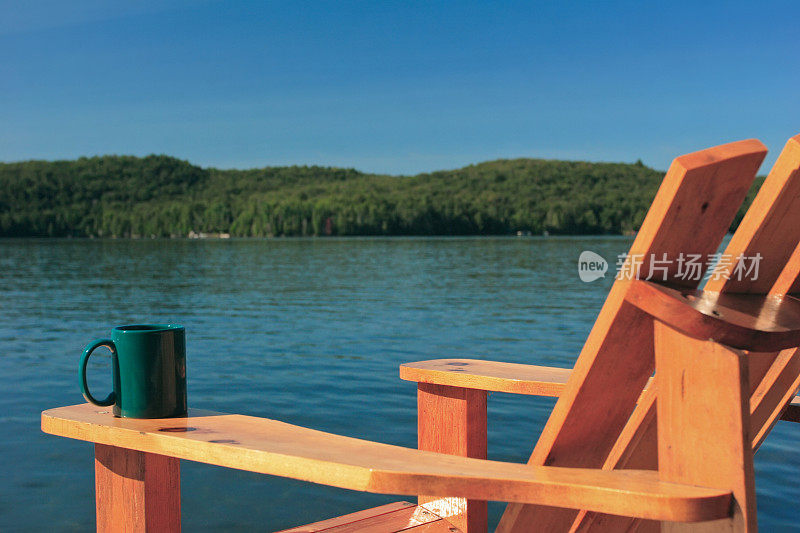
<point x="770" y="230"/>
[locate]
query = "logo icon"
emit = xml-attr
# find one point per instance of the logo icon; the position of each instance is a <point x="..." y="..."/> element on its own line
<point x="591" y="266"/>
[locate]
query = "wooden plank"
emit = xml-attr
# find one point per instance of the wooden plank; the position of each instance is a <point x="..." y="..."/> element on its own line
<point x="633" y="449"/>
<point x="771" y="227"/>
<point x="639" y="432"/>
<point x="703" y="423"/>
<point x="758" y="366"/>
<point x="745" y="321"/>
<point x="700" y="190"/>
<point x="774" y="392"/>
<point x="788" y="281"/>
<point x="276" y="448"/>
<point x="350" y="518"/>
<point x="452" y="420"/>
<point x="442" y="526"/>
<point x="488" y="375"/>
<point x="136" y="491"/>
<point x="400" y="516"/>
<point x="533" y="380"/>
<point x="399" y="520"/>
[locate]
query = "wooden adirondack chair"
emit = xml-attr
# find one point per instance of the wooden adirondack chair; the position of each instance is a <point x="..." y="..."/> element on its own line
<point x="619" y="451"/>
<point x="717" y="399"/>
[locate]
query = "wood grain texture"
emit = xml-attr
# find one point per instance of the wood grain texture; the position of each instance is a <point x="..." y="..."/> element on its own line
<point x="350" y="518"/>
<point x="400" y="516"/>
<point x="766" y="230"/>
<point x="276" y="448"/>
<point x="398" y="521"/>
<point x="754" y="322"/>
<point x="488" y="375"/>
<point x="452" y="420"/>
<point x="703" y="424"/>
<point x="788" y="281"/>
<point x="771" y="227"/>
<point x="773" y="394"/>
<point x="440" y="526"/>
<point x="528" y="379"/>
<point x="136" y="491"/>
<point x="700" y="190"/>
<point x="636" y="447"/>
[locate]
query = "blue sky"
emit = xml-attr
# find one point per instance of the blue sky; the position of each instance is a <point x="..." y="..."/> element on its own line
<point x="395" y="87"/>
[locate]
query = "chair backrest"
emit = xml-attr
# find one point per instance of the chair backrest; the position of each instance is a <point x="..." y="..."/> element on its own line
<point x="603" y="420"/>
<point x="770" y="231"/>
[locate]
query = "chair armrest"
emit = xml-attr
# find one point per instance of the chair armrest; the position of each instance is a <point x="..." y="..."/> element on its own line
<point x="510" y="377"/>
<point x="488" y="375"/>
<point x="276" y="448"/>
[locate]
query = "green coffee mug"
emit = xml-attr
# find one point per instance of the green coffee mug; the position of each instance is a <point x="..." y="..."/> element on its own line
<point x="149" y="371"/>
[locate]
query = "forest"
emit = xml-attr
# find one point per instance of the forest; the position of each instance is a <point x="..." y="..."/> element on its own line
<point x="161" y="196"/>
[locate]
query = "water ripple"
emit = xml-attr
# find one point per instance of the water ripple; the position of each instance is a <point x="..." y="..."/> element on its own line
<point x="307" y="331"/>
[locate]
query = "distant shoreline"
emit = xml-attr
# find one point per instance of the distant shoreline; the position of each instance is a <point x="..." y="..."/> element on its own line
<point x="326" y="238"/>
<point x="163" y="197"/>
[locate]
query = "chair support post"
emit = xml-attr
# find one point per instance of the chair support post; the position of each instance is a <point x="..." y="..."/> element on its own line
<point x="136" y="491"/>
<point x="452" y="420"/>
<point x="704" y="423"/>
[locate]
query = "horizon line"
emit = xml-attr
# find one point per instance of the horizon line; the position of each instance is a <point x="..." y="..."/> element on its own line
<point x="306" y="165"/>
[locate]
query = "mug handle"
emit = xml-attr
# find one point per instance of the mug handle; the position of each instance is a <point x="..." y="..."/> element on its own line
<point x="111" y="398"/>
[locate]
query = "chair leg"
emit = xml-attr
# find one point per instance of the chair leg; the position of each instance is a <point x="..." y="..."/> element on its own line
<point x="452" y="420"/>
<point x="136" y="491"/>
<point x="704" y="423"/>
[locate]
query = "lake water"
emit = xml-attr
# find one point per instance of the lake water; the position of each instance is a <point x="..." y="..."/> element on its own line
<point x="308" y="331"/>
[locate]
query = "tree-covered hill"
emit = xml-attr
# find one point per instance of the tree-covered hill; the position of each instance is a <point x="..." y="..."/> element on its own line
<point x="123" y="196"/>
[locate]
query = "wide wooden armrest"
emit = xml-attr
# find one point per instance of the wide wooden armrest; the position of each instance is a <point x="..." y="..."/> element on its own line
<point x="488" y="375"/>
<point x="280" y="449"/>
<point x="510" y="377"/>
